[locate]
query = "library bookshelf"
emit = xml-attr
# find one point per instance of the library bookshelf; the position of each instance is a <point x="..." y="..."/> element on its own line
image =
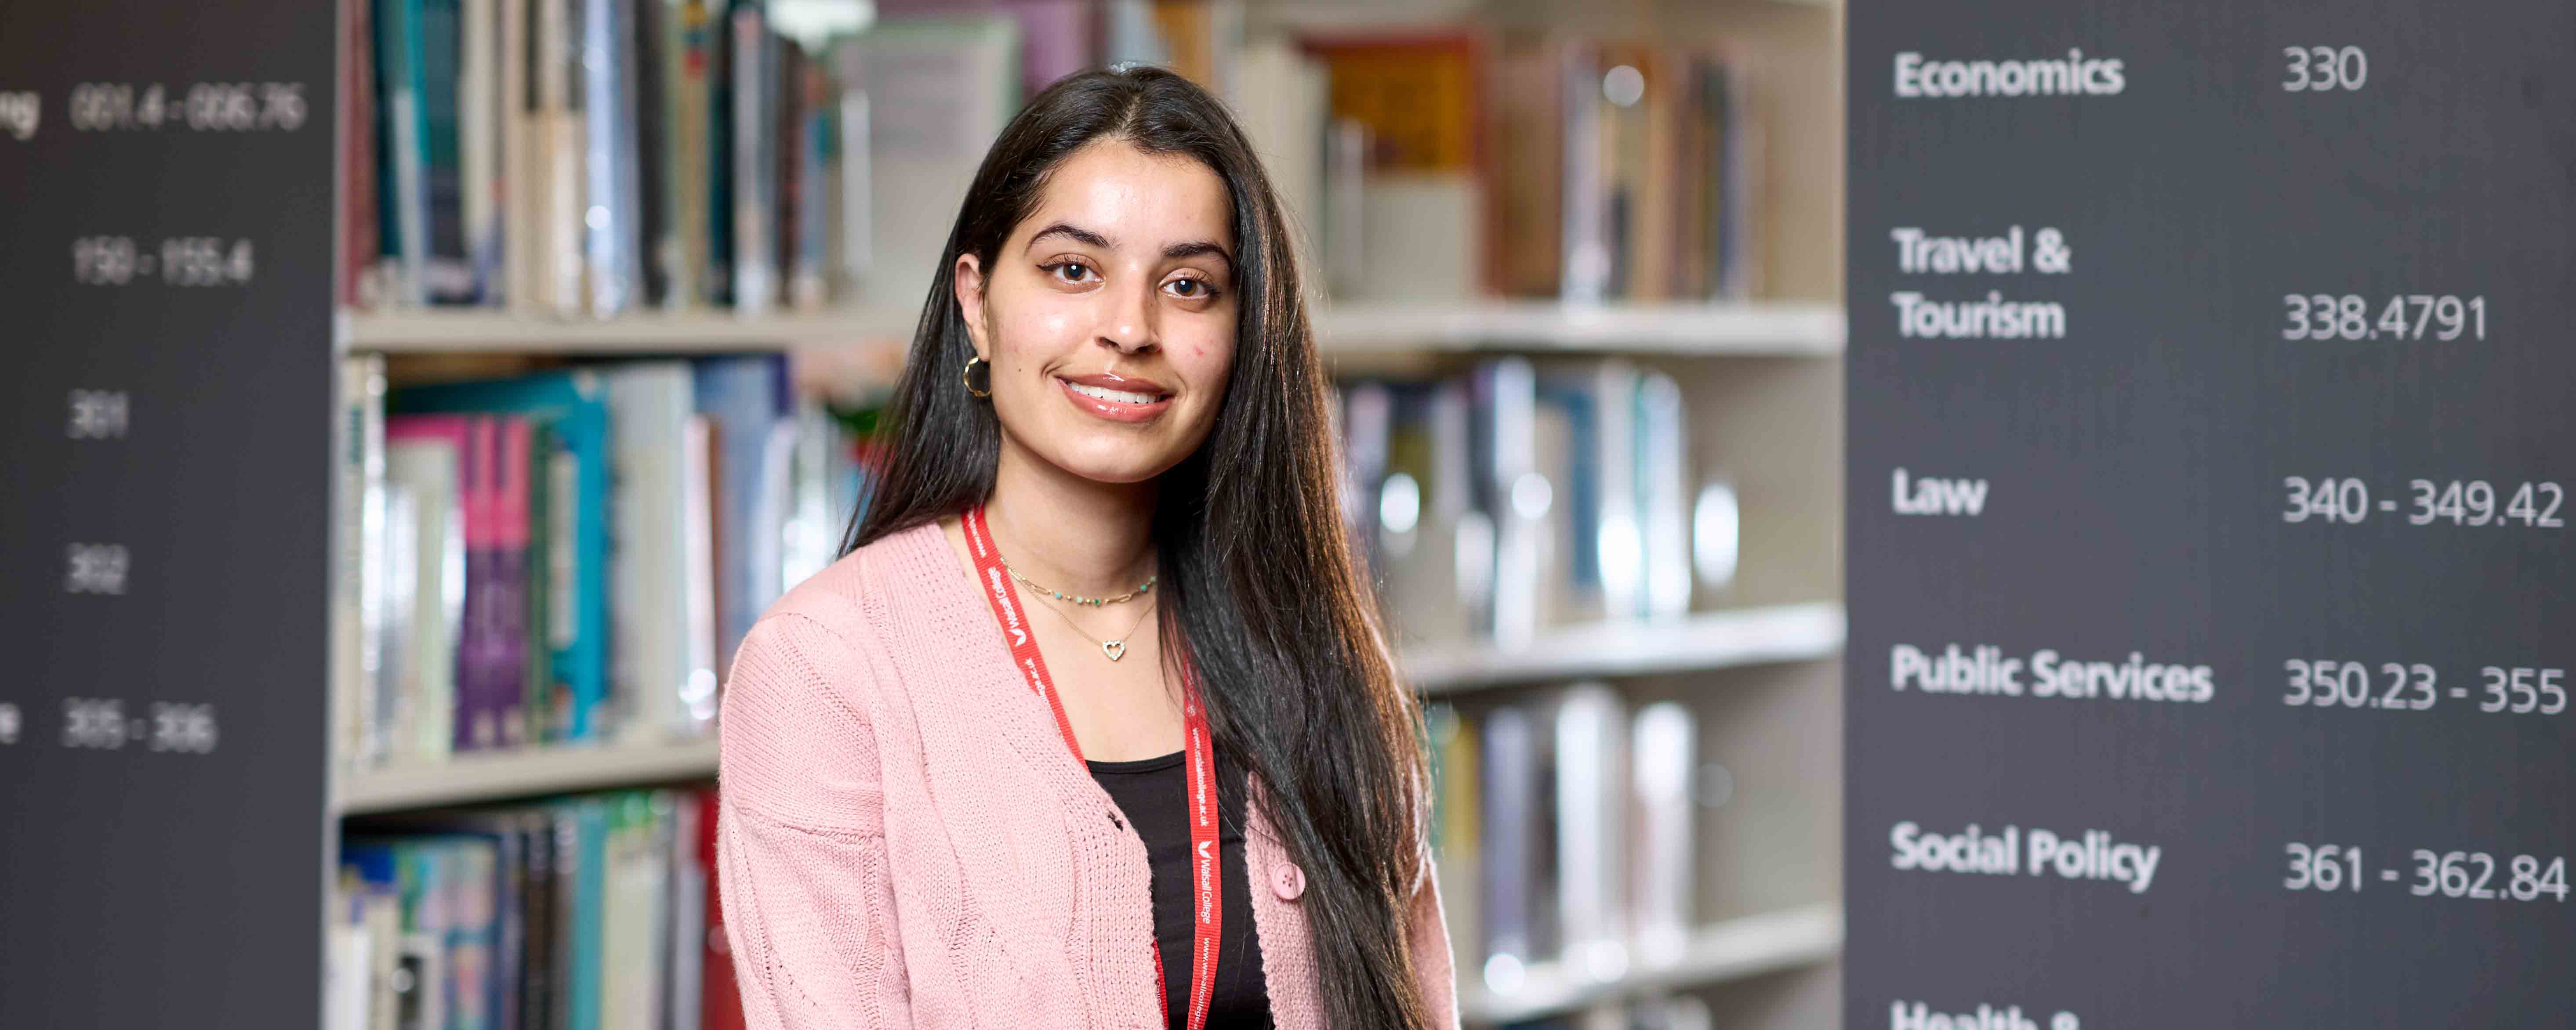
<point x="1772" y="637"/>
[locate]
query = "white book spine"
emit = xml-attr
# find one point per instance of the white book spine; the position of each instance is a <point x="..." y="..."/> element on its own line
<point x="755" y="172"/>
<point x="1591" y="831"/>
<point x="695" y="702"/>
<point x="651" y="590"/>
<point x="1664" y="747"/>
<point x="1663" y="498"/>
<point x="477" y="141"/>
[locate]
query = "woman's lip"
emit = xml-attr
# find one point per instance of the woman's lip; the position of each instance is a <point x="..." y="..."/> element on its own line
<point x="1115" y="411"/>
<point x="1124" y="384"/>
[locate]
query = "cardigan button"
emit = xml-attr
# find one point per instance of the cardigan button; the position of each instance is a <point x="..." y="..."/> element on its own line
<point x="1288" y="881"/>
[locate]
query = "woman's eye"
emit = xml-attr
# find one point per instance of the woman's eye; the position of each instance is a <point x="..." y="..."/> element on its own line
<point x="1193" y="289"/>
<point x="1068" y="271"/>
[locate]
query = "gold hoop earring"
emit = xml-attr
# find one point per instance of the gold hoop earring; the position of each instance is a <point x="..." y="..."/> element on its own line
<point x="968" y="377"/>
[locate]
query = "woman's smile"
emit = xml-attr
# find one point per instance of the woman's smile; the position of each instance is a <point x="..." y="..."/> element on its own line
<point x="1117" y="398"/>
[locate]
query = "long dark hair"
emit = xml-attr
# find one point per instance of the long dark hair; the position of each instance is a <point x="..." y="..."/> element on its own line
<point x="1267" y="601"/>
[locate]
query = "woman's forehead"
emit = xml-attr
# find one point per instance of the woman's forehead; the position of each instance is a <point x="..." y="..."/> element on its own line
<point x="1131" y="199"/>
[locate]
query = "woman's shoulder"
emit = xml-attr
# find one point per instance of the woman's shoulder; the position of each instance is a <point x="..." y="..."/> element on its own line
<point x="841" y="605"/>
<point x="822" y="647"/>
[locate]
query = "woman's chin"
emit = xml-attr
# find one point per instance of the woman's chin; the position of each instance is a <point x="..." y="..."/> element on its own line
<point x="1120" y="465"/>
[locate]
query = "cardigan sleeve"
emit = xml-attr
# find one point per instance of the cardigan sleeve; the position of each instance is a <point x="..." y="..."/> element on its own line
<point x="802" y="881"/>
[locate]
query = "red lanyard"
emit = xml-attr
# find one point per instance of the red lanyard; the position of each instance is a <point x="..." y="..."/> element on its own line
<point x="1199" y="766"/>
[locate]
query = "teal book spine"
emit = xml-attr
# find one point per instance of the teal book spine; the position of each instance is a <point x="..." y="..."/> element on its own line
<point x="590" y="891"/>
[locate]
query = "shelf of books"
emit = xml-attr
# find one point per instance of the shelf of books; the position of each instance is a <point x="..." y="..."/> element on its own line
<point x="1718" y="952"/>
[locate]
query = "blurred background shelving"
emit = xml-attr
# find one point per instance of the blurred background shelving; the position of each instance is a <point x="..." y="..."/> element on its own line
<point x="1425" y="149"/>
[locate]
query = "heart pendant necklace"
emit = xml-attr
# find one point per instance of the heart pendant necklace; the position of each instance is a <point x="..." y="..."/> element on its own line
<point x="1115" y="649"/>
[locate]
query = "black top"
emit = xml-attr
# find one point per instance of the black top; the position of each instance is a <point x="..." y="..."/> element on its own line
<point x="1155" y="798"/>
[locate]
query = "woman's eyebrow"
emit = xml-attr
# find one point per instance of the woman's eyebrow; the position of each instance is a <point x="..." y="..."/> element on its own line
<point x="1072" y="232"/>
<point x="1195" y="248"/>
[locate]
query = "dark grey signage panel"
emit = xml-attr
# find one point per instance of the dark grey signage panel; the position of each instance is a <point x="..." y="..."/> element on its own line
<point x="2212" y="422"/>
<point x="166" y="226"/>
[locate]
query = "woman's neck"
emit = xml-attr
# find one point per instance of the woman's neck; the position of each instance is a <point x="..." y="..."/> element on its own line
<point x="1073" y="534"/>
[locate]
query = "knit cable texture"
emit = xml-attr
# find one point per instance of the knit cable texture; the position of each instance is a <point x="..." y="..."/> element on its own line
<point x="904" y="841"/>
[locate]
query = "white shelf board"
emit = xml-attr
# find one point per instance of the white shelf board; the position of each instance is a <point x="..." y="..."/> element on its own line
<point x="468" y="779"/>
<point x="1753" y="330"/>
<point x="1392" y="327"/>
<point x="470" y="331"/>
<point x="1728" y="950"/>
<point x="1707" y="640"/>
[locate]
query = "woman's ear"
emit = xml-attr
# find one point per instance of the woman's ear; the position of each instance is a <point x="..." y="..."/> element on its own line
<point x="968" y="284"/>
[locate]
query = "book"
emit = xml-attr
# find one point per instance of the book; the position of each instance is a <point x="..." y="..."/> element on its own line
<point x="447" y="272"/>
<point x="1422" y="199"/>
<point x="588" y="871"/>
<point x="481" y="683"/>
<point x="547" y="703"/>
<point x="746" y="398"/>
<point x="1604" y="567"/>
<point x="647" y="69"/>
<point x="574" y="406"/>
<point x="1278" y="94"/>
<point x="508" y="265"/>
<point x="1591" y="801"/>
<point x="753" y="87"/>
<point x="663" y="670"/>
<point x="1531" y="163"/>
<point x="1367" y="420"/>
<point x="358" y="578"/>
<point x="682" y="249"/>
<point x="425" y="461"/>
<point x="684" y="957"/>
<point x="1456" y="842"/>
<point x="1663" y="761"/>
<point x="402" y="191"/>
<point x="479" y="58"/>
<point x="1510" y="487"/>
<point x="559" y="179"/>
<point x="359" y="111"/>
<point x="1437" y="539"/>
<point x="938" y="93"/>
<point x="609" y="186"/>
<point x="1665" y="515"/>
<point x="1510" y="848"/>
<point x="692" y="710"/>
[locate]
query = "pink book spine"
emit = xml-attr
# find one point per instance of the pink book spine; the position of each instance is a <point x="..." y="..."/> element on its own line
<point x="511" y="533"/>
<point x="477" y="720"/>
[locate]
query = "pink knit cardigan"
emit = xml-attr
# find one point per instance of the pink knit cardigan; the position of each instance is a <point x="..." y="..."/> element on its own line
<point x="904" y="840"/>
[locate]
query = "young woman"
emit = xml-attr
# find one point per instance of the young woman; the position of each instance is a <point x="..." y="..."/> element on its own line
<point x="1092" y="724"/>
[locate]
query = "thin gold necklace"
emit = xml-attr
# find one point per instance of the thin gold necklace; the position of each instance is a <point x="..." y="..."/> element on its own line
<point x="1115" y="649"/>
<point x="1145" y="587"/>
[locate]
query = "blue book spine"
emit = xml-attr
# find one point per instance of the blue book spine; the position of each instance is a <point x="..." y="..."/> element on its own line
<point x="744" y="396"/>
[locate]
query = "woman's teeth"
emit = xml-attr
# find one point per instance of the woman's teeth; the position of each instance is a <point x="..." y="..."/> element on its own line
<point x="1107" y="394"/>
